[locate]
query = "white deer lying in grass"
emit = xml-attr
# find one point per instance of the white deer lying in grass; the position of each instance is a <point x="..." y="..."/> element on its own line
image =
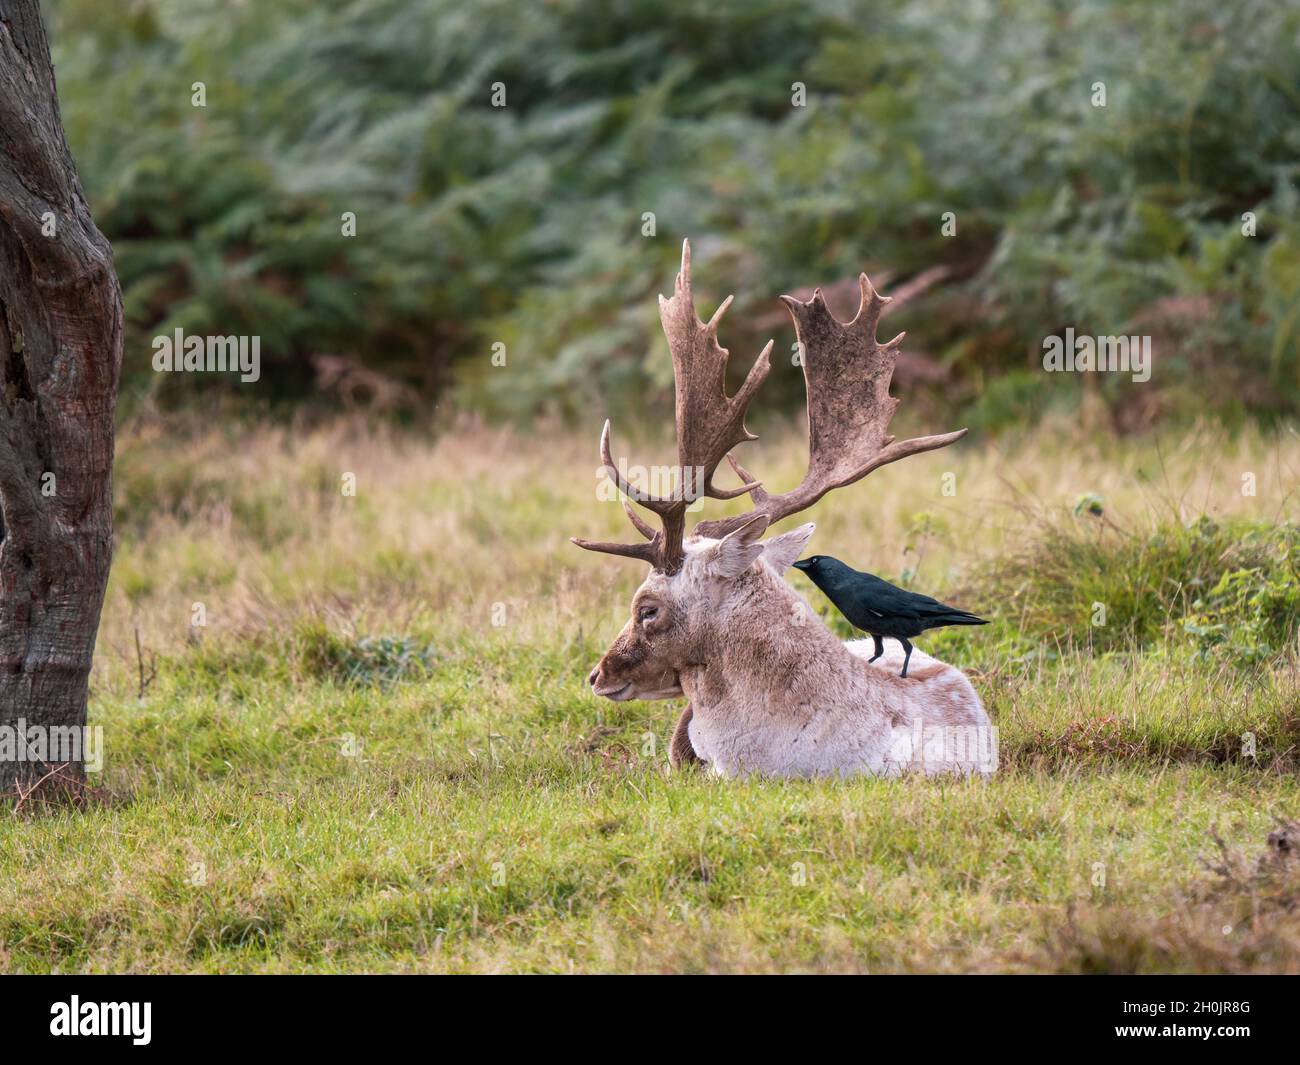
<point x="772" y="691"/>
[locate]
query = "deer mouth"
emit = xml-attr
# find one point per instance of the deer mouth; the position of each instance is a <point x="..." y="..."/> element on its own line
<point x="617" y="692"/>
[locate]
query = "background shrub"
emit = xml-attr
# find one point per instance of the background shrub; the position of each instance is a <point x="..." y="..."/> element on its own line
<point x="522" y="225"/>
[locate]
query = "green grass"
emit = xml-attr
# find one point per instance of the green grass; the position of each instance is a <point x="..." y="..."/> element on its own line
<point x="352" y="768"/>
<point x="494" y="816"/>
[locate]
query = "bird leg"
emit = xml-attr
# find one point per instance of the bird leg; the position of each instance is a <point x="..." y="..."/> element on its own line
<point x="880" y="647"/>
<point x="907" y="648"/>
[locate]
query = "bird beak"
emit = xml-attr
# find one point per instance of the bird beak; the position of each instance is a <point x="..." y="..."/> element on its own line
<point x="803" y="563"/>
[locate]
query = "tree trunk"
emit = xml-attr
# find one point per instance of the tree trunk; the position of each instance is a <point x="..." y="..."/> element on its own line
<point x="60" y="355"/>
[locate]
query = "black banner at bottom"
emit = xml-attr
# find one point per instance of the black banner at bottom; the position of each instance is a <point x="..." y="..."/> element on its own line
<point x="339" y="1013"/>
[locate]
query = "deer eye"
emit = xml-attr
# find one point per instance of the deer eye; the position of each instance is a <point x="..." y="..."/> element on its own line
<point x="647" y="613"/>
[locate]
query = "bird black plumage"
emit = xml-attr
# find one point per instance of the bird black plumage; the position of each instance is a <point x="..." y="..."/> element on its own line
<point x="879" y="608"/>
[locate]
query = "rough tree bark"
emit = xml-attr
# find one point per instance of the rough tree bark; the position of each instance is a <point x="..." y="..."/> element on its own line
<point x="60" y="355"/>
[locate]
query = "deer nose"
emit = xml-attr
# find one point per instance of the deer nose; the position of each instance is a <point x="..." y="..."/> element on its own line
<point x="593" y="676"/>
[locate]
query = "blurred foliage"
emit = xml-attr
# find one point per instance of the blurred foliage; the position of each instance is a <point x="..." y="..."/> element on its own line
<point x="523" y="225"/>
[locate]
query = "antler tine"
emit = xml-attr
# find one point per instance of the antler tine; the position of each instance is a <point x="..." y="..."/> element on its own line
<point x="756" y="491"/>
<point x="652" y="550"/>
<point x="656" y="503"/>
<point x="646" y="552"/>
<point x="847" y="373"/>
<point x="643" y="527"/>
<point x="662" y="548"/>
<point x="871" y="306"/>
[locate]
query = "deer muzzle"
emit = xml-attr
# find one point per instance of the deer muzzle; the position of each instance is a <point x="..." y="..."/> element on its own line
<point x="608" y="689"/>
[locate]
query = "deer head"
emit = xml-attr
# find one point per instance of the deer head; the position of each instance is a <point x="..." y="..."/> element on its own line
<point x="701" y="584"/>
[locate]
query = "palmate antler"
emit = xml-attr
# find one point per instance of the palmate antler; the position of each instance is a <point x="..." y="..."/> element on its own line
<point x="847" y="374"/>
<point x="709" y="424"/>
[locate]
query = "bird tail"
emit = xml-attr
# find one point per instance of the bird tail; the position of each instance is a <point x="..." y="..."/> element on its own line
<point x="958" y="617"/>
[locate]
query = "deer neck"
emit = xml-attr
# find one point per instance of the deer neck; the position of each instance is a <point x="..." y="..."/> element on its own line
<point x="768" y="644"/>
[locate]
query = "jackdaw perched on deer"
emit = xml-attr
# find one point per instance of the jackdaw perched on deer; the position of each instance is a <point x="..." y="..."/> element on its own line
<point x="771" y="690"/>
<point x="879" y="608"/>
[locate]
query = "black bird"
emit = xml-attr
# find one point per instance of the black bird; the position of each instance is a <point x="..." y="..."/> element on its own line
<point x="878" y="607"/>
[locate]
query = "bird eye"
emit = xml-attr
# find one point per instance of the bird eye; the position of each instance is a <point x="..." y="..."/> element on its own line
<point x="647" y="613"/>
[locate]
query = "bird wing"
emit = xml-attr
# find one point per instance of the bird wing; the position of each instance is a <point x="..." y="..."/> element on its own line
<point x="895" y="600"/>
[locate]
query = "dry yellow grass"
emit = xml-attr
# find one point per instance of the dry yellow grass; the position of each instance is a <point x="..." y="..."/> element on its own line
<point x="253" y="523"/>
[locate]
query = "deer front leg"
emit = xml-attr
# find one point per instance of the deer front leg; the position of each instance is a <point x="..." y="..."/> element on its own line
<point x="680" y="751"/>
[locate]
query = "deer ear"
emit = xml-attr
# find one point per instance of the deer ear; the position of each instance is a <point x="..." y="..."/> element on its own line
<point x="739" y="550"/>
<point x="780" y="551"/>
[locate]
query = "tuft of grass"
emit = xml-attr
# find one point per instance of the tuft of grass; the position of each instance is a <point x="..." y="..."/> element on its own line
<point x="365" y="660"/>
<point x="1079" y="578"/>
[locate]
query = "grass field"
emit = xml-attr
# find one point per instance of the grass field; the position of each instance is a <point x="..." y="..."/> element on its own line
<point x="379" y="751"/>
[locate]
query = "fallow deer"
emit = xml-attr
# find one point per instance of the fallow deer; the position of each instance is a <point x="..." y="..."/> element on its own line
<point x="771" y="690"/>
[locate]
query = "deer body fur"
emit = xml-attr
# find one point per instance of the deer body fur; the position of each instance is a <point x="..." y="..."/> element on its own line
<point x="773" y="692"/>
<point x="822" y="710"/>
